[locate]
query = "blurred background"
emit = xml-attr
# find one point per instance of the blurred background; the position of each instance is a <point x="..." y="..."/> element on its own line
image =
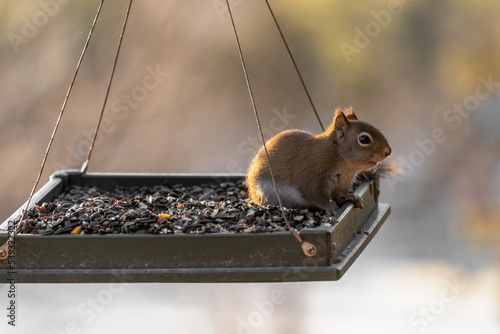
<point x="427" y="73"/>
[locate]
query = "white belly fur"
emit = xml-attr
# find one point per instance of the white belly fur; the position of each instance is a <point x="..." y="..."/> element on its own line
<point x="289" y="195"/>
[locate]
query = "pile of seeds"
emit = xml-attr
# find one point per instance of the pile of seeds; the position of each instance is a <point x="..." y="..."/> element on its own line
<point x="221" y="208"/>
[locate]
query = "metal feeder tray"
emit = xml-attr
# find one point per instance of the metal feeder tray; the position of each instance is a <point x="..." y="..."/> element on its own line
<point x="217" y="257"/>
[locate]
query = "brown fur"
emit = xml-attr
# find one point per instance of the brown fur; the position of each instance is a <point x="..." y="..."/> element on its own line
<point x="315" y="171"/>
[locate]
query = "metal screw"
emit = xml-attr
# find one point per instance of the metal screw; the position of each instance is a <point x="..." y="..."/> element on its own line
<point x="3" y="253"/>
<point x="311" y="249"/>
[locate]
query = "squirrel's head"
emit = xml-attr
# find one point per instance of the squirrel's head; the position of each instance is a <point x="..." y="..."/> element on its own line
<point x="358" y="141"/>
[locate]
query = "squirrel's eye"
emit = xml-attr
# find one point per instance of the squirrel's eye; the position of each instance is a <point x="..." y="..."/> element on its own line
<point x="364" y="139"/>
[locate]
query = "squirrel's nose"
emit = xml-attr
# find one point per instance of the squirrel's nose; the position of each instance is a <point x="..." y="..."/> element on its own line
<point x="388" y="151"/>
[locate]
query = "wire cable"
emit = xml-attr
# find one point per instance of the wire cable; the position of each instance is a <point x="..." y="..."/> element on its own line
<point x="308" y="249"/>
<point x="18" y="226"/>
<point x="295" y="65"/>
<point x="96" y="131"/>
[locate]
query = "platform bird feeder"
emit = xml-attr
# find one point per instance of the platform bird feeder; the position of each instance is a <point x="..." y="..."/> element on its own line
<point x="189" y="257"/>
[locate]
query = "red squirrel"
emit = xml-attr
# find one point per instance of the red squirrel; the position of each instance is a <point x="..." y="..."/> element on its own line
<point x="317" y="171"/>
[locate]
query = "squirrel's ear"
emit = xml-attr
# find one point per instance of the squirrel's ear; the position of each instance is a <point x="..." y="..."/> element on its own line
<point x="340" y="123"/>
<point x="351" y="115"/>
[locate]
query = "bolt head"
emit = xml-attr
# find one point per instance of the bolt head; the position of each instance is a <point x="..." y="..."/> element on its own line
<point x="311" y="249"/>
<point x="3" y="253"/>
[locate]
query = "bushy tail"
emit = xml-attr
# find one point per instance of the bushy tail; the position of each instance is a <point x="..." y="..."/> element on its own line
<point x="384" y="169"/>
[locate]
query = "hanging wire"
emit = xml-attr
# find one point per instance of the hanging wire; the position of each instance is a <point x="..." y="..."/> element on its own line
<point x="91" y="148"/>
<point x="63" y="108"/>
<point x="307" y="248"/>
<point x="295" y="65"/>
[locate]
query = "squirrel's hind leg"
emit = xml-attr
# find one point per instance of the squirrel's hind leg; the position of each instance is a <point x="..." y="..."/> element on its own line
<point x="330" y="207"/>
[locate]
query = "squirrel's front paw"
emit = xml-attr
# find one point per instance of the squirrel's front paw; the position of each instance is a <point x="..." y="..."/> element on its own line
<point x="358" y="202"/>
